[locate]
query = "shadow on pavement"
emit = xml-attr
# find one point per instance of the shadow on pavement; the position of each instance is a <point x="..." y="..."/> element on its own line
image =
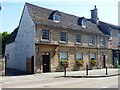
<point x="13" y="72"/>
<point x="88" y="76"/>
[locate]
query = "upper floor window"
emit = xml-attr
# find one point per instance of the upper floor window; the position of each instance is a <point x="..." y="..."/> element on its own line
<point x="90" y="40"/>
<point x="119" y="39"/>
<point x="101" y="41"/>
<point x="92" y="56"/>
<point x="79" y="56"/>
<point x="63" y="56"/>
<point x="78" y="39"/>
<point x="63" y="36"/>
<point x="56" y="18"/>
<point x="45" y="34"/>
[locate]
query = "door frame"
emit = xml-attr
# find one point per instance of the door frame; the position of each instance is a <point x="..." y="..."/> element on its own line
<point x="49" y="62"/>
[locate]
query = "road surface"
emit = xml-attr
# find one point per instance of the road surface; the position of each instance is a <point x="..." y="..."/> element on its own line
<point x="106" y="82"/>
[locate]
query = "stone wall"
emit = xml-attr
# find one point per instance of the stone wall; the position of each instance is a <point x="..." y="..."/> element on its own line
<point x="71" y="51"/>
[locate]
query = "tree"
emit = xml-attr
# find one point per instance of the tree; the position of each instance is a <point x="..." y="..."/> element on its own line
<point x="5" y="36"/>
<point x="0" y="43"/>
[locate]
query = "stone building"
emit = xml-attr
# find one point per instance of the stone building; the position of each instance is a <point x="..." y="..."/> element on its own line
<point x="114" y="40"/>
<point x="44" y="37"/>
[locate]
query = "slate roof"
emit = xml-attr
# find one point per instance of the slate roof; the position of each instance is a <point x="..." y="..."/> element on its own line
<point x="9" y="40"/>
<point x="43" y="16"/>
<point x="12" y="36"/>
<point x="106" y="27"/>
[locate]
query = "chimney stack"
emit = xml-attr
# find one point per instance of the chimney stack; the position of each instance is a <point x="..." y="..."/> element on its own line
<point x="94" y="15"/>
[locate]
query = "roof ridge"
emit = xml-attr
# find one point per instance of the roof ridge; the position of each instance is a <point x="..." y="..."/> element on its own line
<point x="55" y="10"/>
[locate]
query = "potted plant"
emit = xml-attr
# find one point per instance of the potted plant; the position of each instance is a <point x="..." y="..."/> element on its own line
<point x="80" y="62"/>
<point x="93" y="62"/>
<point x="64" y="63"/>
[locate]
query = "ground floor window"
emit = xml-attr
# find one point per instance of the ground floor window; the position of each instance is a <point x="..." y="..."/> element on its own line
<point x="63" y="56"/>
<point x="79" y="56"/>
<point x="92" y="56"/>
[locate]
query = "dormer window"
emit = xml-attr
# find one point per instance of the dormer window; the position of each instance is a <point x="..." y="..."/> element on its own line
<point x="56" y="18"/>
<point x="84" y="23"/>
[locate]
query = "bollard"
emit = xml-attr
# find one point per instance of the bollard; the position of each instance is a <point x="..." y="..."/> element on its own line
<point x="64" y="70"/>
<point x="86" y="69"/>
<point x="106" y="71"/>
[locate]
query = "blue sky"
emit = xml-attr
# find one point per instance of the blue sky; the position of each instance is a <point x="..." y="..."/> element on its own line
<point x="11" y="11"/>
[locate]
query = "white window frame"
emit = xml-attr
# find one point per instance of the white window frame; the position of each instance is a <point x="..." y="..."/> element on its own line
<point x="63" y="56"/>
<point x="102" y="41"/>
<point x="79" y="56"/>
<point x="66" y="37"/>
<point x="54" y="18"/>
<point x="91" y="42"/>
<point x="80" y="39"/>
<point x="43" y="39"/>
<point x="84" y="23"/>
<point x="92" y="55"/>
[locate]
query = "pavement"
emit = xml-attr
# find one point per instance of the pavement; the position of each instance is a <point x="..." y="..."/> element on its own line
<point x="97" y="73"/>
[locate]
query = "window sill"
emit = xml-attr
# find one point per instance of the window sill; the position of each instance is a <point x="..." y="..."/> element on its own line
<point x="78" y="43"/>
<point x="84" y="27"/>
<point x="64" y="42"/>
<point x="102" y="45"/>
<point x="56" y="21"/>
<point x="90" y="44"/>
<point x="45" y="40"/>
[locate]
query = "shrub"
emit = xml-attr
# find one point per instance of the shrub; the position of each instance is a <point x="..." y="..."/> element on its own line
<point x="64" y="63"/>
<point x="93" y="62"/>
<point x="80" y="62"/>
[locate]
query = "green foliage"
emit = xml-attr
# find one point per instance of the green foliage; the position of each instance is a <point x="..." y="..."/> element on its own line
<point x="64" y="61"/>
<point x="116" y="66"/>
<point x="80" y="62"/>
<point x="4" y="35"/>
<point x="93" y="62"/>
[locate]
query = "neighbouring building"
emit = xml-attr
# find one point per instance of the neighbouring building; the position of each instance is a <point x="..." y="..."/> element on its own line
<point x="45" y="36"/>
<point x="114" y="41"/>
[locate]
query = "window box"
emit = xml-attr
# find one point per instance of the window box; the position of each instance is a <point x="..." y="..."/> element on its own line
<point x="64" y="63"/>
<point x="93" y="62"/>
<point x="80" y="62"/>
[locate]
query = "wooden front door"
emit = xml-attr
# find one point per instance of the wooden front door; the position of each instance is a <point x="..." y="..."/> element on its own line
<point x="30" y="65"/>
<point x="46" y="63"/>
